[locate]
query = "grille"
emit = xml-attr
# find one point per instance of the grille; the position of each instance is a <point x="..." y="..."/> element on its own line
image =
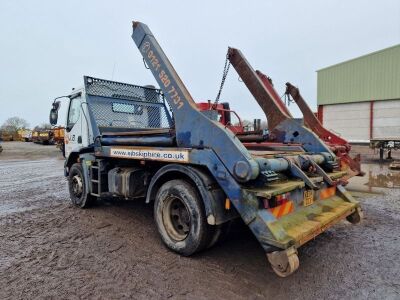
<point x="120" y="105"/>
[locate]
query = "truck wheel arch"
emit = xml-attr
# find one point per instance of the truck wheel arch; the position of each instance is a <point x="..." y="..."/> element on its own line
<point x="212" y="195"/>
<point x="72" y="158"/>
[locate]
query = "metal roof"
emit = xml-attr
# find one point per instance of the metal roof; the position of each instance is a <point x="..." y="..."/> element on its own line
<point x="375" y="76"/>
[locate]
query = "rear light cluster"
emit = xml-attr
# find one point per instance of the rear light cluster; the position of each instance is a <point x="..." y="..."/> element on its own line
<point x="276" y="200"/>
<point x="327" y="192"/>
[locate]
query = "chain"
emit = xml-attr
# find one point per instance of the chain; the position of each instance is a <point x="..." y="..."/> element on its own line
<point x="224" y="74"/>
<point x="287" y="99"/>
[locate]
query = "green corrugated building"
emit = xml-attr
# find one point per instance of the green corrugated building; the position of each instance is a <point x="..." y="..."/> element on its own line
<point x="360" y="98"/>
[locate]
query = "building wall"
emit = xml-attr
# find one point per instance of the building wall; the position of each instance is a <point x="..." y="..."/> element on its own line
<point x="361" y="121"/>
<point x="375" y="76"/>
<point x="350" y="121"/>
<point x="386" y="119"/>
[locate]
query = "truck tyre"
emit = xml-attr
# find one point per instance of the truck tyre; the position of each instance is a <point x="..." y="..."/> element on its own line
<point x="77" y="188"/>
<point x="180" y="218"/>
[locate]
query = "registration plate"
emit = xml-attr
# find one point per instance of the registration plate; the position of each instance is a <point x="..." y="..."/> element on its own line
<point x="308" y="197"/>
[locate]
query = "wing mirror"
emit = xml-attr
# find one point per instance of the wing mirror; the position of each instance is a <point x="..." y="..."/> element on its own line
<point x="54" y="112"/>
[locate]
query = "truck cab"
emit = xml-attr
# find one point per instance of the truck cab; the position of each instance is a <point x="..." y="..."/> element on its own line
<point x="77" y="128"/>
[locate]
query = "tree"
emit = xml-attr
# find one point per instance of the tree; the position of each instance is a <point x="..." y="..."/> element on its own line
<point x="12" y="125"/>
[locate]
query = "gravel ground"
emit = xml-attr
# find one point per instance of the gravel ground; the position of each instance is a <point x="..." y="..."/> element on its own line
<point x="50" y="249"/>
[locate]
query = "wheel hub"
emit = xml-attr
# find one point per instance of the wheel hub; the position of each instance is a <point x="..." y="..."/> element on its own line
<point x="77" y="186"/>
<point x="176" y="219"/>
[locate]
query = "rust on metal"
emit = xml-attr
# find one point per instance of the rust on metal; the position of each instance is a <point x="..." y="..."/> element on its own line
<point x="274" y="113"/>
<point x="311" y="120"/>
<point x="338" y="145"/>
<point x="267" y="81"/>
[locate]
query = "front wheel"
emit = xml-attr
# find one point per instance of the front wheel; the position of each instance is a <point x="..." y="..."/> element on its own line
<point x="78" y="191"/>
<point x="180" y="218"/>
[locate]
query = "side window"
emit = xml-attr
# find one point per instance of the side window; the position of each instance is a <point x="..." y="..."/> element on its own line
<point x="74" y="111"/>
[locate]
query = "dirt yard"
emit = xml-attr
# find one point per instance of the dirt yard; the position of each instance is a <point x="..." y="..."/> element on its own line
<point x="50" y="249"/>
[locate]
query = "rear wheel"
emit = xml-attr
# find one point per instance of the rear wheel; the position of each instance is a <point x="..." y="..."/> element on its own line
<point x="180" y="218"/>
<point x="78" y="191"/>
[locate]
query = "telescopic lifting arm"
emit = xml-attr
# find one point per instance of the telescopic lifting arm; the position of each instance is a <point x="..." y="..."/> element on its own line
<point x="311" y="120"/>
<point x="267" y="81"/>
<point x="193" y="129"/>
<point x="283" y="128"/>
<point x="341" y="146"/>
<point x="275" y="113"/>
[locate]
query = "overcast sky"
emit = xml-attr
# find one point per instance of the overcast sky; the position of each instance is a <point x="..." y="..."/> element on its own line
<point x="47" y="46"/>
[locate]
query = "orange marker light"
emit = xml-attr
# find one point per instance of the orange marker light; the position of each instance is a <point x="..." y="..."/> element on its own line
<point x="227" y="204"/>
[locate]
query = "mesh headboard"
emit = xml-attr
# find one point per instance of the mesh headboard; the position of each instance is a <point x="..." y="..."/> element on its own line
<point x="120" y="105"/>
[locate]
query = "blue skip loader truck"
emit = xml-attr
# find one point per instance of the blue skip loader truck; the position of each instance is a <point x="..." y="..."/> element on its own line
<point x="140" y="142"/>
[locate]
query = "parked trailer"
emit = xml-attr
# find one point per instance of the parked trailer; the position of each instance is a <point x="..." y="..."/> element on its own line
<point x="385" y="127"/>
<point x="8" y="137"/>
<point x="35" y="136"/>
<point x="59" y="135"/>
<point x="124" y="142"/>
<point x="43" y="136"/>
<point x="385" y="144"/>
<point x="25" y="135"/>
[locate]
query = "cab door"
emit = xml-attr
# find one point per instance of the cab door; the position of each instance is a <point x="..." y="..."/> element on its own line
<point x="73" y="136"/>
